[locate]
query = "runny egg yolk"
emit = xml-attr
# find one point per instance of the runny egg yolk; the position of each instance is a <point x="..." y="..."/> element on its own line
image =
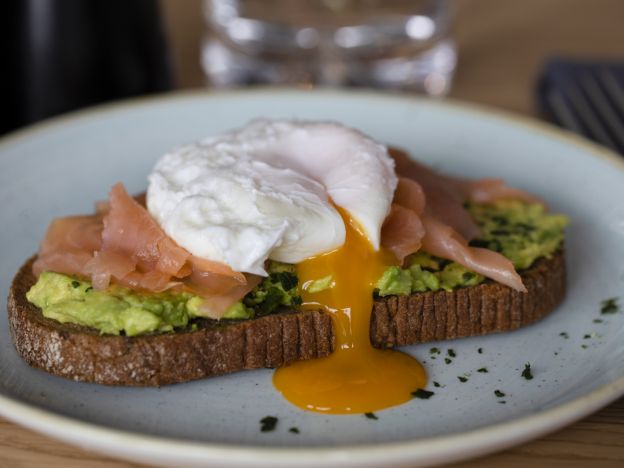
<point x="355" y="378"/>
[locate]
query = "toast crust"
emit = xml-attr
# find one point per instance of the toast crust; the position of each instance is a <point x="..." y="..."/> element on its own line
<point x="216" y="348"/>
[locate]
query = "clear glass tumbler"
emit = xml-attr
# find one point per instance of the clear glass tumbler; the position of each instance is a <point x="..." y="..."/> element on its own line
<point x="403" y="44"/>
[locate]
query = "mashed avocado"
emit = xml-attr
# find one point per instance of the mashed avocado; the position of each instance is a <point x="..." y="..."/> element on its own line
<point x="118" y="310"/>
<point x="425" y="273"/>
<point x="522" y="232"/>
<point x="65" y="299"/>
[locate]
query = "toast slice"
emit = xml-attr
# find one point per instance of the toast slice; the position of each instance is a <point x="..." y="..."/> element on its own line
<point x="220" y="347"/>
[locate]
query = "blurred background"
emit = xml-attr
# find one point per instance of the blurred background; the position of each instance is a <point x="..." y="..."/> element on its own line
<point x="66" y="54"/>
<point x="502" y="45"/>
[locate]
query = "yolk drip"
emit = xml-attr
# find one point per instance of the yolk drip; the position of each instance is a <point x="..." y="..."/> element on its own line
<point x="355" y="378"/>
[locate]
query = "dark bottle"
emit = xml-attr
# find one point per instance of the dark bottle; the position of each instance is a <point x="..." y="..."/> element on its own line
<point x="66" y="54"/>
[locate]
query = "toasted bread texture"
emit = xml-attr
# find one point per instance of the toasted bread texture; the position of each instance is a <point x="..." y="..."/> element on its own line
<point x="220" y="347"/>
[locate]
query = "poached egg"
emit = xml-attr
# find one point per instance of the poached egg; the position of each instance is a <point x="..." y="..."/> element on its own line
<point x="314" y="194"/>
<point x="263" y="192"/>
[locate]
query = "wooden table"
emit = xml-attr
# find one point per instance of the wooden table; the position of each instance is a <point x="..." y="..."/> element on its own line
<point x="502" y="44"/>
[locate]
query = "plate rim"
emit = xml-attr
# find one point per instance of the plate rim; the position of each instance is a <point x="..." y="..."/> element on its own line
<point x="430" y="450"/>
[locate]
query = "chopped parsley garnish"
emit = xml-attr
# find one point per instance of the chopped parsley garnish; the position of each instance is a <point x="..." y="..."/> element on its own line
<point x="371" y="416"/>
<point x="483" y="370"/>
<point x="447" y="360"/>
<point x="288" y="279"/>
<point x="564" y="335"/>
<point x="436" y="384"/>
<point x="499" y="394"/>
<point x="276" y="290"/>
<point x="584" y="346"/>
<point x="90" y="288"/>
<point x="597" y="320"/>
<point x="468" y="275"/>
<point x="451" y="353"/>
<point x="462" y="378"/>
<point x="434" y="351"/>
<point x="294" y="430"/>
<point x="526" y="373"/>
<point x="268" y="423"/>
<point x="422" y="394"/>
<point x="609" y="306"/>
<point x="586" y="337"/>
<point x="480" y="350"/>
<point x="75" y="284"/>
<point x="502" y="402"/>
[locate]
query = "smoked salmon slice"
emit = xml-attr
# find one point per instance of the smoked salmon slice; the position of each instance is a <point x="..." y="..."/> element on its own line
<point x="403" y="230"/>
<point x="69" y="244"/>
<point x="122" y="244"/>
<point x="443" y="241"/>
<point x="129" y="230"/>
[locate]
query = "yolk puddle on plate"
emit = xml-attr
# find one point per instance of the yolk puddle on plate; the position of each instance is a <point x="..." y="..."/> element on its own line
<point x="355" y="378"/>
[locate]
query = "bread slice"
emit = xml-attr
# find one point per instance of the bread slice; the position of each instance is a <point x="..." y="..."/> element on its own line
<point x="220" y="347"/>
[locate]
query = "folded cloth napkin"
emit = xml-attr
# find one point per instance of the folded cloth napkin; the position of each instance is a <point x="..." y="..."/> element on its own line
<point x="586" y="98"/>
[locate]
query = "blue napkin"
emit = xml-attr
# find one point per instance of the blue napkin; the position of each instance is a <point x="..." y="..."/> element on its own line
<point x="586" y="98"/>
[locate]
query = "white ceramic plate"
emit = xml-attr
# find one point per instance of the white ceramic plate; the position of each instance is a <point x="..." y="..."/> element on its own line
<point x="63" y="166"/>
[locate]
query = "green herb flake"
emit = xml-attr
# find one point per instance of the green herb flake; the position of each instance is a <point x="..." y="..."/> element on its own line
<point x="502" y="402"/>
<point x="268" y="424"/>
<point x="371" y="416"/>
<point x="468" y="275"/>
<point x="584" y="346"/>
<point x="434" y="351"/>
<point x="480" y="350"/>
<point x="75" y="284"/>
<point x="586" y="337"/>
<point x="422" y="394"/>
<point x="294" y="430"/>
<point x="526" y="373"/>
<point x="90" y="288"/>
<point x="564" y="335"/>
<point x="451" y="353"/>
<point x="447" y="360"/>
<point x="499" y="394"/>
<point x="436" y="384"/>
<point x="609" y="306"/>
<point x="597" y="320"/>
<point x="483" y="370"/>
<point x="462" y="378"/>
<point x="276" y="290"/>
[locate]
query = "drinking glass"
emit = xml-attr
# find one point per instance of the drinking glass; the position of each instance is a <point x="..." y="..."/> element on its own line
<point x="402" y="44"/>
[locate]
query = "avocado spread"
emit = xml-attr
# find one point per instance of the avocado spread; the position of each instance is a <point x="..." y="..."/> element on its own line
<point x="522" y="232"/>
<point x="116" y="310"/>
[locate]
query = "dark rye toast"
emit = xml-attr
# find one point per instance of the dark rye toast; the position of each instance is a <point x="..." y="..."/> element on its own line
<point x="220" y="347"/>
